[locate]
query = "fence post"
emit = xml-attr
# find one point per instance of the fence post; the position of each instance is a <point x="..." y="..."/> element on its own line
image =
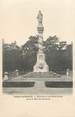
<point x="5" y="75"/>
<point x="67" y="72"/>
<point x="17" y="72"/>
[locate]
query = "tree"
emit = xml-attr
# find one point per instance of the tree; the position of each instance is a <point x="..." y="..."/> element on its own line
<point x="50" y="50"/>
<point x="29" y="51"/>
<point x="10" y="57"/>
<point x="58" y="55"/>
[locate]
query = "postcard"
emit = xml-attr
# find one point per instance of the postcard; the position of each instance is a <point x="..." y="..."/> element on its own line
<point x="37" y="58"/>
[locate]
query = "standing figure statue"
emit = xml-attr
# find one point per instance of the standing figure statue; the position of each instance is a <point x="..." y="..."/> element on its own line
<point x="40" y="17"/>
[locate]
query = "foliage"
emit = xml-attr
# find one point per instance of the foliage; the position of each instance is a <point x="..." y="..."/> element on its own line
<point x="58" y="55"/>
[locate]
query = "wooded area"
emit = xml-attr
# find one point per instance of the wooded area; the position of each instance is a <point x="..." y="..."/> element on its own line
<point x="58" y="55"/>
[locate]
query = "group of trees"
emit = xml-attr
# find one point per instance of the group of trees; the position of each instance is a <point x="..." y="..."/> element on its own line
<point x="58" y="55"/>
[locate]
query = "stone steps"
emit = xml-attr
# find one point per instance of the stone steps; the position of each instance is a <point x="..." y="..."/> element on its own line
<point x="41" y="75"/>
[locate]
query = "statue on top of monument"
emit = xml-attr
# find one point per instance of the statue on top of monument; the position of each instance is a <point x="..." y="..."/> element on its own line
<point x="40" y="17"/>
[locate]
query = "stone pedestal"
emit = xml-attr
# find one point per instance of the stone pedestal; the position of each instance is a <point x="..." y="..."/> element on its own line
<point x="41" y="65"/>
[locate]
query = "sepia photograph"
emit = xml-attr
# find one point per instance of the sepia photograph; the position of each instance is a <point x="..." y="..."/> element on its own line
<point x="37" y="58"/>
<point x="38" y="66"/>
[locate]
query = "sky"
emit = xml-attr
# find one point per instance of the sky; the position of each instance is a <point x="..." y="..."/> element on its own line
<point x="18" y="19"/>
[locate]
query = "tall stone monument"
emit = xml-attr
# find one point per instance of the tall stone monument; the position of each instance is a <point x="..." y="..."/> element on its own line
<point x="41" y="65"/>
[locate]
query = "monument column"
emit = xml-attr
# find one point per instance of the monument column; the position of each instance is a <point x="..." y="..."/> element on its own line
<point x="41" y="65"/>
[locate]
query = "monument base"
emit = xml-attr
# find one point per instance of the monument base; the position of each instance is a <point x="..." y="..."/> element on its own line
<point x="39" y="68"/>
<point x="41" y="65"/>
